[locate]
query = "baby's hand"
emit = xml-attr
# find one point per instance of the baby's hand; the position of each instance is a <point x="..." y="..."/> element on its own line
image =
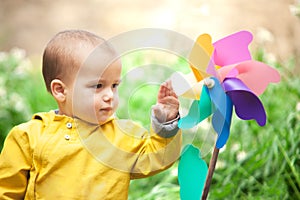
<point x="167" y="106"/>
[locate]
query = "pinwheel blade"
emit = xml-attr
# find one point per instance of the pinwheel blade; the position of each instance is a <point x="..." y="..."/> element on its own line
<point x="192" y="172"/>
<point x="254" y="74"/>
<point x="221" y="122"/>
<point x="221" y="119"/>
<point x="232" y="49"/>
<point x="199" y="110"/>
<point x="192" y="118"/>
<point x="186" y="85"/>
<point x="199" y="57"/>
<point x="247" y="104"/>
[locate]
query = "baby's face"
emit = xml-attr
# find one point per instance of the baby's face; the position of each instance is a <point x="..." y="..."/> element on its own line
<point x="95" y="91"/>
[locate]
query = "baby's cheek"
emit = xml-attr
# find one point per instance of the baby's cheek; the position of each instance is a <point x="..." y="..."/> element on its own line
<point x="116" y="102"/>
<point x="97" y="105"/>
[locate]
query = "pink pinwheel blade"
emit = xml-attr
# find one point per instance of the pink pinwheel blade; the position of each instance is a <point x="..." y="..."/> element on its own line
<point x="255" y="75"/>
<point x="232" y="49"/>
<point x="247" y="104"/>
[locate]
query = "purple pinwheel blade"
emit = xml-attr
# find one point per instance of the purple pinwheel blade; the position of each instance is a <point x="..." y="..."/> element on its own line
<point x="232" y="49"/>
<point x="247" y="104"/>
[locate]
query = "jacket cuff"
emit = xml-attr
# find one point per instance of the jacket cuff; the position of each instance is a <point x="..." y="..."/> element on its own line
<point x="166" y="129"/>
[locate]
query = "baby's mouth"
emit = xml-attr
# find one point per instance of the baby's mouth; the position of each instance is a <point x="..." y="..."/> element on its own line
<point x="108" y="109"/>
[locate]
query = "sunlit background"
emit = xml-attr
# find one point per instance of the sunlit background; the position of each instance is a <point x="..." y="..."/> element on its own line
<point x="29" y="24"/>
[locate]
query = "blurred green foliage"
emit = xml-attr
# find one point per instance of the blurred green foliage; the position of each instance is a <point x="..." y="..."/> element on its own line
<point x="257" y="162"/>
<point x="22" y="91"/>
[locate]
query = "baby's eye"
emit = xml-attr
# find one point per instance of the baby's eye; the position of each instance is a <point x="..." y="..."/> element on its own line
<point x="115" y="85"/>
<point x="98" y="86"/>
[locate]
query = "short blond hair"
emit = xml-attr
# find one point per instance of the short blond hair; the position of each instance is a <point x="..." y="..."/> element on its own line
<point x="61" y="55"/>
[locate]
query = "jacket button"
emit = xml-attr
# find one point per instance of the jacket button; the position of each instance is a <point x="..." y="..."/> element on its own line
<point x="69" y="125"/>
<point x="67" y="137"/>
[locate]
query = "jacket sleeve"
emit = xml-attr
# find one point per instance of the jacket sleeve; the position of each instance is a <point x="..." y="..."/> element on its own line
<point x="160" y="150"/>
<point x="15" y="164"/>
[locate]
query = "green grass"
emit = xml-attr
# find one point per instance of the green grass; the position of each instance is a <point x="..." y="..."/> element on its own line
<point x="257" y="162"/>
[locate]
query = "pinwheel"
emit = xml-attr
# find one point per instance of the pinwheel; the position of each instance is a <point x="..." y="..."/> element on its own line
<point x="223" y="77"/>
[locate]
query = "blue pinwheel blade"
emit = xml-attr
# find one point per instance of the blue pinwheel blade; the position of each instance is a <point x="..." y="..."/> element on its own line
<point x="192" y="172"/>
<point x="221" y="119"/>
<point x="221" y="122"/>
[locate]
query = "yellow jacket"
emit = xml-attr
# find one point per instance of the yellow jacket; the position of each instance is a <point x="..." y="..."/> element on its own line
<point x="58" y="157"/>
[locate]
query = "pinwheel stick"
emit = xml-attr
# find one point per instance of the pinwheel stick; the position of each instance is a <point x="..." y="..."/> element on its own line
<point x="211" y="169"/>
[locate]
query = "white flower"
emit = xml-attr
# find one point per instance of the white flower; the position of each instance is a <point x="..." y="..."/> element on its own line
<point x="3" y="56"/>
<point x="235" y="147"/>
<point x="18" y="53"/>
<point x="298" y="106"/>
<point x="241" y="156"/>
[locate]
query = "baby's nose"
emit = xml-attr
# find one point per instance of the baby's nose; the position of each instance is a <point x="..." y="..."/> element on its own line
<point x="108" y="95"/>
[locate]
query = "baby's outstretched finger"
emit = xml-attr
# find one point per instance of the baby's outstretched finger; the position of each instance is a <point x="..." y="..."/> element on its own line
<point x="161" y="91"/>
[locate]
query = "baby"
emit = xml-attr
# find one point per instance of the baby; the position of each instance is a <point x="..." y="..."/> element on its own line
<point x="81" y="150"/>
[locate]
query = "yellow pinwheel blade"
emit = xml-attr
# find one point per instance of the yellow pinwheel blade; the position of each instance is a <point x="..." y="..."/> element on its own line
<point x="200" y="56"/>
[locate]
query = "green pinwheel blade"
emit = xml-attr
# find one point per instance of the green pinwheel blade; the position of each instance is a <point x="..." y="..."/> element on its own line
<point x="199" y="110"/>
<point x="192" y="172"/>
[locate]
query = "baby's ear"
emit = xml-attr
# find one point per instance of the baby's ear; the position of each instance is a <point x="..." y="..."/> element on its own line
<point x="58" y="90"/>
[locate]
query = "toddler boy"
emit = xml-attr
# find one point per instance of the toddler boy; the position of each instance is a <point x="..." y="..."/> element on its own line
<point x="81" y="150"/>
